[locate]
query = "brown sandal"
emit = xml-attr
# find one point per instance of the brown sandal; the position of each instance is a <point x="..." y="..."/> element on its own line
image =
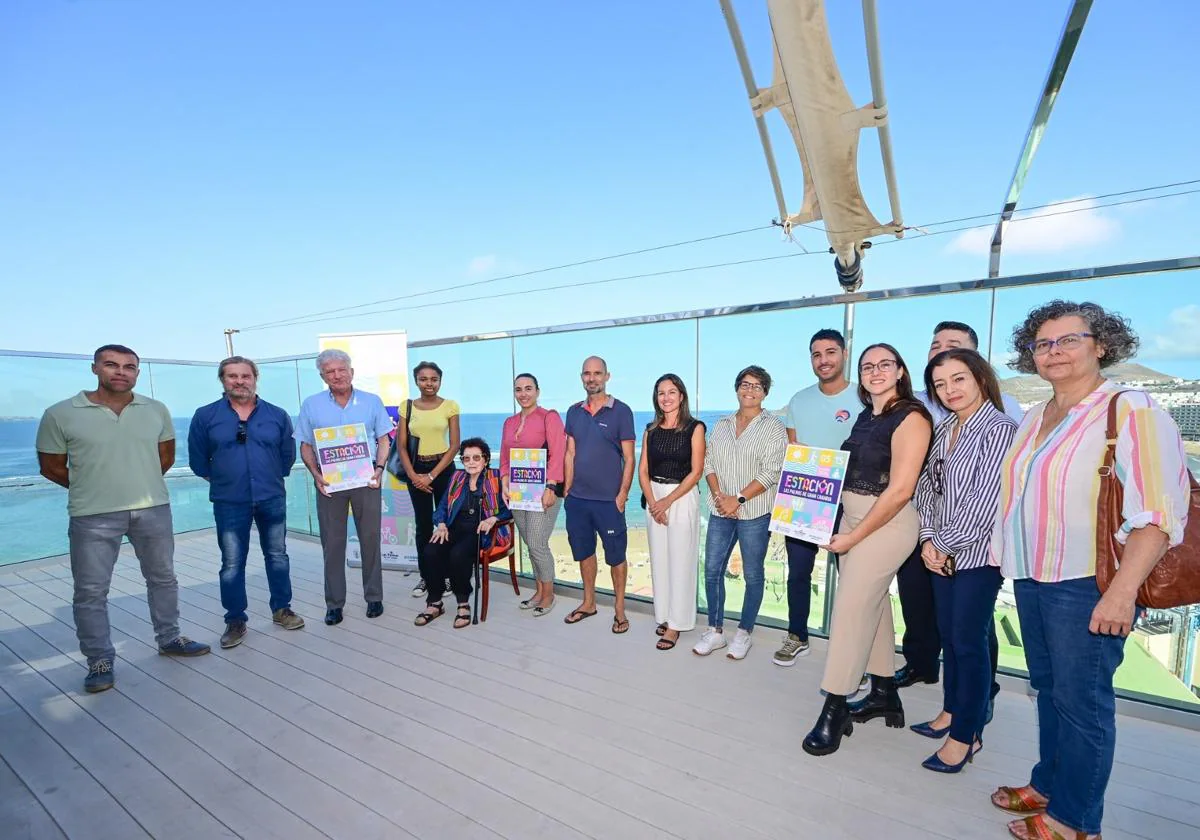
<point x="1021" y="800"/>
<point x="463" y="617"/>
<point x="1036" y="829"/>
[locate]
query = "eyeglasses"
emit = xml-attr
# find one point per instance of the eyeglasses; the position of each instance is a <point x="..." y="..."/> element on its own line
<point x="241" y="433"/>
<point x="753" y="387"/>
<point x="886" y="366"/>
<point x="470" y="459"/>
<point x="1064" y="342"/>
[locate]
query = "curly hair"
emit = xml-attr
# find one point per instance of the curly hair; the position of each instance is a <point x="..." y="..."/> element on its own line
<point x="1111" y="330"/>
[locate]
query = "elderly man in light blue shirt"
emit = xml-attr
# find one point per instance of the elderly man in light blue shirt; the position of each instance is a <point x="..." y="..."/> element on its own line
<point x="343" y="405"/>
<point x="922" y="644"/>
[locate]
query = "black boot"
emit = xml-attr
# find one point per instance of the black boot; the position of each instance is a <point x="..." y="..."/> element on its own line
<point x="833" y="723"/>
<point x="883" y="701"/>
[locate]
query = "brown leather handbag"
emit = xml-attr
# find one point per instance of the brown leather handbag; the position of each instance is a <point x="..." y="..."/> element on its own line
<point x="1175" y="581"/>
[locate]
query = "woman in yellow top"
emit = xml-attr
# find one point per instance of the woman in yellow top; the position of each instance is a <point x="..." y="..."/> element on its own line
<point x="433" y="421"/>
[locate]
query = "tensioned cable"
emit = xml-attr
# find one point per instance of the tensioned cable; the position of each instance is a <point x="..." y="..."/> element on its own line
<point x="331" y="314"/>
<point x="286" y="321"/>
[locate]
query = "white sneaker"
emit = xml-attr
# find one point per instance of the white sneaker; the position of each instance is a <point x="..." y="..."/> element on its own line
<point x="740" y="645"/>
<point x="712" y="639"/>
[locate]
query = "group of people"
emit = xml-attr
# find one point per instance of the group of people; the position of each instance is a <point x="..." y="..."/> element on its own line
<point x="948" y="490"/>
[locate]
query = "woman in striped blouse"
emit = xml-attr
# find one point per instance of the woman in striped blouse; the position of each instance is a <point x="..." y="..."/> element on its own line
<point x="1045" y="541"/>
<point x="741" y="467"/>
<point x="956" y="498"/>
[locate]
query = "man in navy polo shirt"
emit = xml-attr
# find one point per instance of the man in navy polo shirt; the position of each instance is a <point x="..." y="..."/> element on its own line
<point x="243" y="447"/>
<point x="598" y="471"/>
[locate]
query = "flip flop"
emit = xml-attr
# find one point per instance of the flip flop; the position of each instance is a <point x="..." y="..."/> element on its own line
<point x="577" y="615"/>
<point x="620" y="625"/>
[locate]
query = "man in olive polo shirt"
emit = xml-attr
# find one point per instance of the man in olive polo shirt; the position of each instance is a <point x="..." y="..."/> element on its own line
<point x="110" y="448"/>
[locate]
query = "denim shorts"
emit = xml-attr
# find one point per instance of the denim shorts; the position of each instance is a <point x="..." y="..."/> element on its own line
<point x="588" y="517"/>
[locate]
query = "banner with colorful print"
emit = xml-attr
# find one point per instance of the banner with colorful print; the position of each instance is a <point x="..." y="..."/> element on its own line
<point x="809" y="492"/>
<point x="380" y="362"/>
<point x="526" y="479"/>
<point x="344" y="454"/>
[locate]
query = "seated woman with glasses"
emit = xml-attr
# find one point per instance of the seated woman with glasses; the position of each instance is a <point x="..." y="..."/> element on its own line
<point x="878" y="531"/>
<point x="472" y="504"/>
<point x="957" y="496"/>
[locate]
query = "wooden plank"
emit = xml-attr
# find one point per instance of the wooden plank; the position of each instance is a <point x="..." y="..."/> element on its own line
<point x="484" y="746"/>
<point x="333" y="746"/>
<point x="61" y="784"/>
<point x="233" y="784"/>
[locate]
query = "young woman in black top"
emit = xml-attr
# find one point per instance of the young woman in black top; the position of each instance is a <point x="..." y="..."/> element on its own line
<point x="878" y="531"/>
<point x="669" y="469"/>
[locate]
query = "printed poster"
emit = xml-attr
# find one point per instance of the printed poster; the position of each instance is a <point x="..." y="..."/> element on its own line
<point x="810" y="489"/>
<point x="344" y="454"/>
<point x="526" y="479"/>
<point x="380" y="361"/>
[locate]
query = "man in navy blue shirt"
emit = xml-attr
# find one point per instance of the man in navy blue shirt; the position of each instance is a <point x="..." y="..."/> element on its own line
<point x="598" y="472"/>
<point x="243" y="447"/>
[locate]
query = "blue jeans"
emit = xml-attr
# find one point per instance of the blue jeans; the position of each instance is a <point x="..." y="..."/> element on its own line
<point x="95" y="545"/>
<point x="965" y="606"/>
<point x="1072" y="670"/>
<point x="751" y="535"/>
<point x="233" y="536"/>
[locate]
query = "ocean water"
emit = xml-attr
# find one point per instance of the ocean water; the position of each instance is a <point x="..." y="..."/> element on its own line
<point x="33" y="511"/>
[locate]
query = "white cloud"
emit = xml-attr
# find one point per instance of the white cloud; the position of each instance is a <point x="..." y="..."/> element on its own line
<point x="1180" y="339"/>
<point x="1046" y="230"/>
<point x="485" y="264"/>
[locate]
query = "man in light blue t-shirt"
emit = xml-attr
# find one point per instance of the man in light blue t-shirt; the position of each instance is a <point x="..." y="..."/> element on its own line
<point x="820" y="415"/>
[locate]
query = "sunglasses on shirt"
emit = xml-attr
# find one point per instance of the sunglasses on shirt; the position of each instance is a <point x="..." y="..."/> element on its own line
<point x="241" y="432"/>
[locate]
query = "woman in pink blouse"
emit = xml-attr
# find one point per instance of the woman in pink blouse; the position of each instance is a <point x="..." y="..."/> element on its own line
<point x="534" y="427"/>
<point x="1045" y="541"/>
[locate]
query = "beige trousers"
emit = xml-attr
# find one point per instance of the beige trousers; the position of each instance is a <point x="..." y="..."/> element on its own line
<point x="862" y="639"/>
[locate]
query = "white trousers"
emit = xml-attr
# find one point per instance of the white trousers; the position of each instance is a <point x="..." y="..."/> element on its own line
<point x="675" y="558"/>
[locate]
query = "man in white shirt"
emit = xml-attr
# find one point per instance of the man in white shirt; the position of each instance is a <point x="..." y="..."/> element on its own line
<point x="820" y="415"/>
<point x="922" y="644"/>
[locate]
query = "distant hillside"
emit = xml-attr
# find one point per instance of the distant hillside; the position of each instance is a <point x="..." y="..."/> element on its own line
<point x="1033" y="389"/>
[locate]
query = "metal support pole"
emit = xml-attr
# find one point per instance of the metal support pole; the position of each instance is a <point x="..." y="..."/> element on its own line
<point x="229" y="341"/>
<point x="1067" y="42"/>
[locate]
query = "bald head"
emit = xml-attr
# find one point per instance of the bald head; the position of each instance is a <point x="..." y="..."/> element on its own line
<point x="594" y="376"/>
<point x="592" y="361"/>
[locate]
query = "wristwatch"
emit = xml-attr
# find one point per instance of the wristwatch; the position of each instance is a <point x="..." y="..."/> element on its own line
<point x="741" y="499"/>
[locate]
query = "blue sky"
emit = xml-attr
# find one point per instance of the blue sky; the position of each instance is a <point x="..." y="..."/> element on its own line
<point x="170" y="170"/>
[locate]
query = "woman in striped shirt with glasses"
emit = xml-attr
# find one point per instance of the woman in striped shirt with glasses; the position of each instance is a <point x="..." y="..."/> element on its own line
<point x="956" y="498"/>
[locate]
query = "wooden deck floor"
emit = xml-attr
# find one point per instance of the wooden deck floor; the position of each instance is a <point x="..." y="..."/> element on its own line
<point x="517" y="728"/>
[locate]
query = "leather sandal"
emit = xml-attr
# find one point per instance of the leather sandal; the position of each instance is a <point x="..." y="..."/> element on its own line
<point x="1020" y="800"/>
<point x="463" y="617"/>
<point x="1036" y="829"/>
<point x="431" y="612"/>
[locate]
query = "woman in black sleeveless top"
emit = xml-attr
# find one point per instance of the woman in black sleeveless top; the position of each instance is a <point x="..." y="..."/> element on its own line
<point x="669" y="469"/>
<point x="878" y="531"/>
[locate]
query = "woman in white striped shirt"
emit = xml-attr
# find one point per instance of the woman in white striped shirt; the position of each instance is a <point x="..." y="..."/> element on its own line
<point x="741" y="466"/>
<point x="957" y="496"/>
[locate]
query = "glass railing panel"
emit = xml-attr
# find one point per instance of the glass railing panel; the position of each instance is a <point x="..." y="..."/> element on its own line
<point x="636" y="355"/>
<point x="33" y="512"/>
<point x="778" y="342"/>
<point x="1159" y="660"/>
<point x="908" y="323"/>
